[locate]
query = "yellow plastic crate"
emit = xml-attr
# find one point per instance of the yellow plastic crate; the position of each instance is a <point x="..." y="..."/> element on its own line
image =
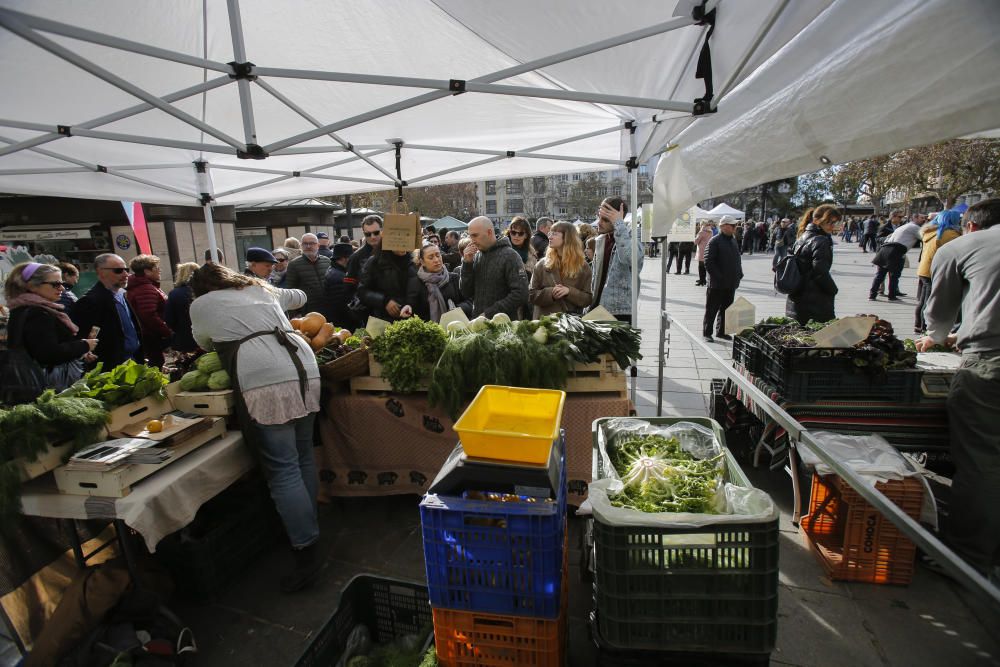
<point x="511" y="424"/>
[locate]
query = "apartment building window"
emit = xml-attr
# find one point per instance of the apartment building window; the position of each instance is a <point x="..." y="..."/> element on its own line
<point x="515" y="186"/>
<point x="491" y="188"/>
<point x="515" y="206"/>
<point x="562" y="210"/>
<point x="538" y="205"/>
<point x="491" y="207"/>
<point x="538" y="185"/>
<point x="563" y="178"/>
<point x="576" y="177"/>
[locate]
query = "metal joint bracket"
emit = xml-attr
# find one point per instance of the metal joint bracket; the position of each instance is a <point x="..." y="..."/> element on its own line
<point x="206" y="198"/>
<point x="64" y="130"/>
<point x="632" y="163"/>
<point x="510" y="153"/>
<point x="253" y="152"/>
<point x="698" y="13"/>
<point x="201" y="166"/>
<point x="242" y="71"/>
<point x="702" y="106"/>
<point x="296" y="174"/>
<point x="350" y="147"/>
<point x="102" y="169"/>
<point x="402" y="184"/>
<point x="630" y="126"/>
<point x="456" y="86"/>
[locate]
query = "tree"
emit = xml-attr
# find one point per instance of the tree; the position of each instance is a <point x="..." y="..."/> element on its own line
<point x="585" y="196"/>
<point x="873" y="177"/>
<point x="952" y="168"/>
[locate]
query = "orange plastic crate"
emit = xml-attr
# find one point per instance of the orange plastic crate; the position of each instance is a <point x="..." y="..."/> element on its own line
<point x="852" y="539"/>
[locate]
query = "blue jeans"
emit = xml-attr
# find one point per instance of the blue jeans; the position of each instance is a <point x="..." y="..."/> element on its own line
<point x="286" y="452"/>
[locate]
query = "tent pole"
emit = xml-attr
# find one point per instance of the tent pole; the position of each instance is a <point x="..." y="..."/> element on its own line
<point x="302" y="112"/>
<point x="17" y="27"/>
<point x="242" y="84"/>
<point x="47" y="25"/>
<point x="500" y="75"/>
<point x="475" y="87"/>
<point x="118" y="115"/>
<point x="204" y="179"/>
<point x="288" y="176"/>
<point x="636" y="249"/>
<point x="328" y="165"/>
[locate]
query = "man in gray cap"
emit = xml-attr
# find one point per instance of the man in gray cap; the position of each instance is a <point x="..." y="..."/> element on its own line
<point x="260" y="263"/>
<point x="324" y="244"/>
<point x="725" y="270"/>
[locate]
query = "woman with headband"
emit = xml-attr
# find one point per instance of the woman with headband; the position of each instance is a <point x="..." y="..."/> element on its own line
<point x="40" y="326"/>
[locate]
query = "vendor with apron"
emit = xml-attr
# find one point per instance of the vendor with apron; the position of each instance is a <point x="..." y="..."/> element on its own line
<point x="276" y="382"/>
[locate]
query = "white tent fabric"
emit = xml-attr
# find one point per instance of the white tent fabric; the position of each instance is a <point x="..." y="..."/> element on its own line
<point x="725" y="209"/>
<point x="554" y="82"/>
<point x="863" y="79"/>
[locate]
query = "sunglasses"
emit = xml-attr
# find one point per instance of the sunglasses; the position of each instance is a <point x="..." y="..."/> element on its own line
<point x="54" y="283"/>
<point x="118" y="269"/>
<point x="377" y="232"/>
<point x="513" y="233"/>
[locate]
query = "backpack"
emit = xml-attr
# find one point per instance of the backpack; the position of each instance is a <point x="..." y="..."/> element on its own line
<point x="788" y="278"/>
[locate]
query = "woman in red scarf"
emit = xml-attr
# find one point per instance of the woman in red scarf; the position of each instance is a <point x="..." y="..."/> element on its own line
<point x="39" y="324"/>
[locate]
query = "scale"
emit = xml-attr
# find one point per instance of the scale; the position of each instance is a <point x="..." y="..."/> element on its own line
<point x="462" y="473"/>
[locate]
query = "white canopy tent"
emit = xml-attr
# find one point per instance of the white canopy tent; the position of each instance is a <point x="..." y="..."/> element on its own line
<point x="725" y="209"/>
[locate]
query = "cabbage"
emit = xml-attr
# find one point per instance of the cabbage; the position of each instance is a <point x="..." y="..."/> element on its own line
<point x="218" y="380"/>
<point x="209" y="363"/>
<point x="194" y="381"/>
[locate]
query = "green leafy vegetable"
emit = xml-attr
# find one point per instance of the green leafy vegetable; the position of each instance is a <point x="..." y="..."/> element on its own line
<point x="124" y="384"/>
<point x="406" y="349"/>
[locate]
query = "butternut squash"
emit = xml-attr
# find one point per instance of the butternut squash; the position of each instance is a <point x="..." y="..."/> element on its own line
<point x="312" y="323"/>
<point x="323" y="338"/>
<point x="296" y="323"/>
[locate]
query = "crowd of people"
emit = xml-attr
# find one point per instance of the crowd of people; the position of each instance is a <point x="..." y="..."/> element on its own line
<point x="525" y="273"/>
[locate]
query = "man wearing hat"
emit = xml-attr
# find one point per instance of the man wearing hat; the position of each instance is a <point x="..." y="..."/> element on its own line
<point x="324" y="244"/>
<point x="260" y="263"/>
<point x="725" y="270"/>
<point x="337" y="293"/>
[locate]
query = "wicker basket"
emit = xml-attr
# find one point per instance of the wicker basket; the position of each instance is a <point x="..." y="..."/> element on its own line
<point x="350" y="365"/>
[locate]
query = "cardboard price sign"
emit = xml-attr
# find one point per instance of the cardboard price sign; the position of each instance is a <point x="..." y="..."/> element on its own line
<point x="401" y="230"/>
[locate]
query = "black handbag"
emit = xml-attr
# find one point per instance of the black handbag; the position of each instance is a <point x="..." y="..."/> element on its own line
<point x="22" y="379"/>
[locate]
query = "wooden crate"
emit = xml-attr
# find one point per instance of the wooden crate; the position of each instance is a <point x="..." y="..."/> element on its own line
<point x="48" y="460"/>
<point x="151" y="407"/>
<point x="117" y="483"/>
<point x="208" y="403"/>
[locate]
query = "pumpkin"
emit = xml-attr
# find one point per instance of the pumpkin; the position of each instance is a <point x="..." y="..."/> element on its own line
<point x="312" y="323"/>
<point x="343" y="335"/>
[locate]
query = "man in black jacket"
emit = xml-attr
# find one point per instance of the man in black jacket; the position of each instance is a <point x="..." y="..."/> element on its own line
<point x="105" y="306"/>
<point x="371" y="227"/>
<point x="725" y="270"/>
<point x="336" y="290"/>
<point x="540" y="239"/>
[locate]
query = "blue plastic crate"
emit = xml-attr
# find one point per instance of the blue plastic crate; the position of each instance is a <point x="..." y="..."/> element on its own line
<point x="496" y="557"/>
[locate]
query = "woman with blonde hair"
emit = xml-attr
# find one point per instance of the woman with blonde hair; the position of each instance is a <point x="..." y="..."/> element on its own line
<point x="177" y="312"/>
<point x="293" y="247"/>
<point x="814" y="253"/>
<point x="276" y="383"/>
<point x="560" y="282"/>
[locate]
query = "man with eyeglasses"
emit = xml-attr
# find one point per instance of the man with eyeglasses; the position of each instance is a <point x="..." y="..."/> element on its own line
<point x="307" y="273"/>
<point x="105" y="306"/>
<point x="371" y="227"/>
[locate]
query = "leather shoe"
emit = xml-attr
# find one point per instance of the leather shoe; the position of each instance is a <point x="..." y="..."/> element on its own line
<point x="872" y="298"/>
<point x="723" y="336"/>
<point x="306" y="565"/>
<point x="900" y="293"/>
<point x="893" y="298"/>
<point x="709" y="339"/>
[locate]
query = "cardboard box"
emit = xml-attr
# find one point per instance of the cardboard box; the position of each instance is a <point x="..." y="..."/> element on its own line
<point x="401" y="231"/>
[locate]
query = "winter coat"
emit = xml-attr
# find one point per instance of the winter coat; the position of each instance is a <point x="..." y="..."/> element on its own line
<point x="814" y="300"/>
<point x="701" y="241"/>
<point x="308" y="277"/>
<point x="355" y="264"/>
<point x="540" y="242"/>
<point x="177" y="315"/>
<point x="337" y="297"/>
<point x="616" y="296"/>
<point x="148" y="302"/>
<point x="97" y="308"/>
<point x="931" y="246"/>
<point x="44" y="337"/>
<point x="723" y="263"/>
<point x="416" y="296"/>
<point x="540" y="291"/>
<point x="495" y="280"/>
<point x="385" y="278"/>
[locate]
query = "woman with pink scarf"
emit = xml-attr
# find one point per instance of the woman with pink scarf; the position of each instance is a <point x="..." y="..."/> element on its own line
<point x="39" y="324"/>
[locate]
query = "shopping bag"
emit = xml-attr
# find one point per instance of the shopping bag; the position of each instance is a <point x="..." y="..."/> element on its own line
<point x="401" y="230"/>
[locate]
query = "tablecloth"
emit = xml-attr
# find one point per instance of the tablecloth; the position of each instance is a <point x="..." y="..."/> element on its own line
<point x="161" y="504"/>
<point x="395" y="444"/>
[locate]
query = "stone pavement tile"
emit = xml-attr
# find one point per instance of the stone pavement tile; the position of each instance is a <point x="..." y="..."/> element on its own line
<point x="908" y="636"/>
<point x="801" y="570"/>
<point x="822" y="630"/>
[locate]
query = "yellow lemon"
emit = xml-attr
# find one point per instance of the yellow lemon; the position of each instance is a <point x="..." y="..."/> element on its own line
<point x="155" y="426"/>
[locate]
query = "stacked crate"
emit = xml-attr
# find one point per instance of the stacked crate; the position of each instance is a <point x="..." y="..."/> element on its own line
<point x="685" y="594"/>
<point x="497" y="576"/>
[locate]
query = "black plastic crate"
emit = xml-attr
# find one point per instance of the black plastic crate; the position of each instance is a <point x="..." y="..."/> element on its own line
<point x="747" y="352"/>
<point x="777" y="360"/>
<point x="717" y="403"/>
<point x="706" y="590"/>
<point x="390" y="608"/>
<point x="226" y="535"/>
<point x="609" y="656"/>
<point x="902" y="386"/>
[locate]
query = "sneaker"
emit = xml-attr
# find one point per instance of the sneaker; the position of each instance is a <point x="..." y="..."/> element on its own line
<point x="709" y="339"/>
<point x="723" y="336"/>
